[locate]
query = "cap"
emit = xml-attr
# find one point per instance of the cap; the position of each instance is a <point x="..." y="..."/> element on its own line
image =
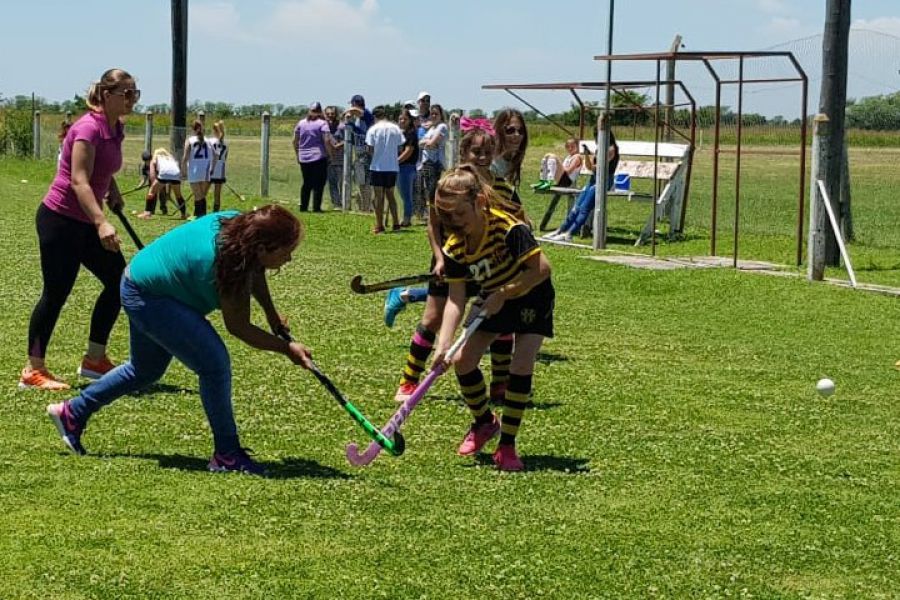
<point x="422" y="95"/>
<point x="315" y="107"/>
<point x="145" y="155"/>
<point x="358" y="100"/>
<point x="409" y="104"/>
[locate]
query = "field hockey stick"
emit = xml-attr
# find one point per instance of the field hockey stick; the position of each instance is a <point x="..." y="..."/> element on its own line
<point x="133" y="190"/>
<point x="128" y="228"/>
<point x="231" y="189"/>
<point x="392" y="428"/>
<point x="394" y="446"/>
<point x="357" y="285"/>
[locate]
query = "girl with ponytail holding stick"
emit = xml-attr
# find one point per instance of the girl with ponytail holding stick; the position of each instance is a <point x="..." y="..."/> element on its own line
<point x="73" y="229"/>
<point x="516" y="295"/>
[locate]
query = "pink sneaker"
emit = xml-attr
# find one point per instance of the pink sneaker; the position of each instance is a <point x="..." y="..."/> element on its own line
<point x="506" y="459"/>
<point x="478" y="436"/>
<point x="405" y="390"/>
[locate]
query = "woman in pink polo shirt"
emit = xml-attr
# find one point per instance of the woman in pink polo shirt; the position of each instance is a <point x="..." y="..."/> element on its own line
<point x="73" y="229"/>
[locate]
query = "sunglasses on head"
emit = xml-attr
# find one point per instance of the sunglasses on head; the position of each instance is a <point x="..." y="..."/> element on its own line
<point x="129" y="94"/>
<point x="512" y="130"/>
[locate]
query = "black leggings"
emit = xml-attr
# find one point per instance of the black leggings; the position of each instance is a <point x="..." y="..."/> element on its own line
<point x="315" y="176"/>
<point x="65" y="245"/>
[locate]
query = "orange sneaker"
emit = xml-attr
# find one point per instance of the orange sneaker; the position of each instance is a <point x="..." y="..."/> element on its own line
<point x="40" y="379"/>
<point x="95" y="368"/>
<point x="405" y="390"/>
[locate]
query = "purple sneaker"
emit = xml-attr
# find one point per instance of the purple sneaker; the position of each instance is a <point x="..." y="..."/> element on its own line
<point x="69" y="428"/>
<point x="238" y="461"/>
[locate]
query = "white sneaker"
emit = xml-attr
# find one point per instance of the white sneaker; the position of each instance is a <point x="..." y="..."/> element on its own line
<point x="552" y="236"/>
<point x="566" y="237"/>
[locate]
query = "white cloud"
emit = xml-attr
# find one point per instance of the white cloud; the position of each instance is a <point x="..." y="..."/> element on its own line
<point x="785" y="26"/>
<point x="342" y="27"/>
<point x="888" y="25"/>
<point x="774" y="7"/>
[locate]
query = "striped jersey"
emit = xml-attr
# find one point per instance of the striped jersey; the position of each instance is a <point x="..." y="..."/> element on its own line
<point x="501" y="254"/>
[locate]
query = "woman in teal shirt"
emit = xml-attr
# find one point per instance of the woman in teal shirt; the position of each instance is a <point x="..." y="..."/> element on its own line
<point x="216" y="262"/>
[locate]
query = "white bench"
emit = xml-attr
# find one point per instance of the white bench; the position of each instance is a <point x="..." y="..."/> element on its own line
<point x="636" y="160"/>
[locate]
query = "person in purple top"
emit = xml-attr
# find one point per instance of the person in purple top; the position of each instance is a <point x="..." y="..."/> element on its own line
<point x="310" y="136"/>
<point x="73" y="230"/>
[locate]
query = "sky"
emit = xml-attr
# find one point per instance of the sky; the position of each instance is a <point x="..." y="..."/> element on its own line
<point x="299" y="51"/>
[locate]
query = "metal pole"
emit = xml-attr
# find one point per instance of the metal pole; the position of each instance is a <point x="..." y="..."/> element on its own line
<point x="148" y="131"/>
<point x="453" y="142"/>
<point x="264" y="157"/>
<point x="600" y="191"/>
<point x="36" y="134"/>
<point x="670" y="87"/>
<point x="715" y="182"/>
<point x="655" y="167"/>
<point x="803" y="136"/>
<point x="737" y="166"/>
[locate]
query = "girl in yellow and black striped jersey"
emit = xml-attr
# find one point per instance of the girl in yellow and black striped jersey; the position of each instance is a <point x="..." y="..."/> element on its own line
<point x="499" y="252"/>
<point x="477" y="147"/>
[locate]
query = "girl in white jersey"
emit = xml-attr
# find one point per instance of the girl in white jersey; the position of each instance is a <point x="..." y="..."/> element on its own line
<point x="197" y="163"/>
<point x="166" y="176"/>
<point x="220" y="154"/>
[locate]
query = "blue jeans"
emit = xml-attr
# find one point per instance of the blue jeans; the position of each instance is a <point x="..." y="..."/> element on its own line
<point x="583" y="208"/>
<point x="406" y="180"/>
<point x="163" y="328"/>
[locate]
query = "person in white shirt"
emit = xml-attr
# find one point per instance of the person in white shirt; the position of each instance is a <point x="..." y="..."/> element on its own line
<point x="384" y="140"/>
<point x="220" y="154"/>
<point x="197" y="163"/>
<point x="166" y="177"/>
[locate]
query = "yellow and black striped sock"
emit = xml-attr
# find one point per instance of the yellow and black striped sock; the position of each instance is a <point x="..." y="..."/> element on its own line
<point x="475" y="394"/>
<point x="514" y="407"/>
<point x="501" y="356"/>
<point x="420" y="347"/>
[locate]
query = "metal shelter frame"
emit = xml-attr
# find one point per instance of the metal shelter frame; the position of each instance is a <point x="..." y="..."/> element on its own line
<point x="600" y="236"/>
<point x="707" y="58"/>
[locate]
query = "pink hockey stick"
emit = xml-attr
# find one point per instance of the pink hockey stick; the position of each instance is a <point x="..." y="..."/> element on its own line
<point x="360" y="460"/>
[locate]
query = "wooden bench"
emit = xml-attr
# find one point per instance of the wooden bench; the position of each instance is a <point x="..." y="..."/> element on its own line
<point x="636" y="160"/>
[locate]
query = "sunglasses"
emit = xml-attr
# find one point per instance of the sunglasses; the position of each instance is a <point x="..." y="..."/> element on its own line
<point x="512" y="130"/>
<point x="132" y="94"/>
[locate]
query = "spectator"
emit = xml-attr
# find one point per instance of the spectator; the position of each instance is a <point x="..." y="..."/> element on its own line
<point x="335" y="147"/>
<point x="360" y="121"/>
<point x="384" y="140"/>
<point x="409" y="156"/>
<point x="309" y="143"/>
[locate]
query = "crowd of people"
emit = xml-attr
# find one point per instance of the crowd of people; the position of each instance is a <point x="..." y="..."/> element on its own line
<point x="481" y="242"/>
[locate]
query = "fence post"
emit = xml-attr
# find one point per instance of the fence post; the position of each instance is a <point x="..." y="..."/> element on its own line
<point x="148" y="131"/>
<point x="36" y="134"/>
<point x="347" y="174"/>
<point x="68" y="117"/>
<point x="818" y="218"/>
<point x="453" y="142"/>
<point x="201" y="116"/>
<point x="264" y="157"/>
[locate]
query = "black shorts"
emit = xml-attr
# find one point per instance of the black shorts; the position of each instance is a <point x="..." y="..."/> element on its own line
<point x="217" y="180"/>
<point x="384" y="179"/>
<point x="168" y="181"/>
<point x="532" y="313"/>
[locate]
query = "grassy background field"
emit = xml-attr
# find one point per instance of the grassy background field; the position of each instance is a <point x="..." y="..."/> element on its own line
<point x="677" y="447"/>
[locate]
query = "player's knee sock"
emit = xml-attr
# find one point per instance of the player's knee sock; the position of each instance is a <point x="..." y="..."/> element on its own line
<point x="420" y="347"/>
<point x="501" y="357"/>
<point x="514" y="407"/>
<point x="150" y="203"/>
<point x="475" y="394"/>
<point x="199" y="208"/>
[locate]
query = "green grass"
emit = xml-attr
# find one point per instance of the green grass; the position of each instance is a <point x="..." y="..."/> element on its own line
<point x="677" y="448"/>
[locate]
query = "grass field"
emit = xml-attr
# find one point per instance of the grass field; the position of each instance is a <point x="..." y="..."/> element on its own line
<point x="677" y="447"/>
